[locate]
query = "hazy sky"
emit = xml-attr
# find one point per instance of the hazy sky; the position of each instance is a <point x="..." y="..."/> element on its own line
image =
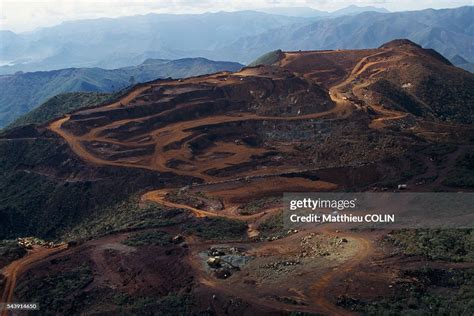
<point x="26" y="15"/>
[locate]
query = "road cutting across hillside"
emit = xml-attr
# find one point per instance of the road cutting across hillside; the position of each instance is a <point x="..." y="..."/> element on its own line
<point x="15" y="269"/>
<point x="171" y="144"/>
<point x="322" y="302"/>
<point x="182" y="133"/>
<point x="176" y="133"/>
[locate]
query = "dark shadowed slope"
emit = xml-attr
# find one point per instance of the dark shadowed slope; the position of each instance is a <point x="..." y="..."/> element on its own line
<point x="211" y="153"/>
<point x="59" y="105"/>
<point x="21" y="93"/>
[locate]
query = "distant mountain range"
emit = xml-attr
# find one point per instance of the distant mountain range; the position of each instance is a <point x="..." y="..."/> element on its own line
<point x="150" y="41"/>
<point x="23" y="92"/>
<point x="238" y="36"/>
<point x="113" y="43"/>
<point x="310" y="12"/>
<point x="450" y="32"/>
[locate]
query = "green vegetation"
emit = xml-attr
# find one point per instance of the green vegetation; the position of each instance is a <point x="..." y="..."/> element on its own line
<point x="256" y="206"/>
<point x="55" y="292"/>
<point x="10" y="251"/>
<point x="439" y="152"/>
<point x="129" y="215"/>
<point x="268" y="58"/>
<point x="394" y="97"/>
<point x="216" y="228"/>
<point x="62" y="293"/>
<point x="124" y="216"/>
<point x="39" y="203"/>
<point x="23" y="92"/>
<point x="436" y="292"/>
<point x="462" y="174"/>
<point x="124" y="304"/>
<point x="435" y="244"/>
<point x="60" y="105"/>
<point x="45" y="191"/>
<point x="175" y="304"/>
<point x="438" y="90"/>
<point x="172" y="304"/>
<point x="199" y="200"/>
<point x="272" y="226"/>
<point x="33" y="204"/>
<point x="449" y="97"/>
<point x="149" y="238"/>
<point x="417" y="167"/>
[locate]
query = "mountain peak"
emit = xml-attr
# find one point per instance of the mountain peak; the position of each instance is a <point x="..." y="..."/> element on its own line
<point x="154" y="61"/>
<point x="354" y="10"/>
<point x="399" y="43"/>
<point x="405" y="43"/>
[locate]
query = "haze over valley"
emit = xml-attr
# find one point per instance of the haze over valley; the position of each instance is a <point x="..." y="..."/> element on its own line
<point x="231" y="36"/>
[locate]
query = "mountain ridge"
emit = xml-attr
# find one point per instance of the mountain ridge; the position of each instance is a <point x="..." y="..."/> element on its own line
<point x="238" y="36"/>
<point x="176" y="173"/>
<point x="311" y="12"/>
<point x="427" y="27"/>
<point x="24" y="91"/>
<point x="116" y="42"/>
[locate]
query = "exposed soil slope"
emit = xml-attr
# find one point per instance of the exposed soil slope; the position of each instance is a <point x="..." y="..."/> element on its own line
<point x="14" y="270"/>
<point x="210" y="127"/>
<point x="311" y="121"/>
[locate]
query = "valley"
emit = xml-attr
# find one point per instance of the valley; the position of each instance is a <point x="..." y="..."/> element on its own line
<point x="16" y="101"/>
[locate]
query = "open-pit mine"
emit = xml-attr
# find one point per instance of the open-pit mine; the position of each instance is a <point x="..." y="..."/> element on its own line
<point x="214" y="155"/>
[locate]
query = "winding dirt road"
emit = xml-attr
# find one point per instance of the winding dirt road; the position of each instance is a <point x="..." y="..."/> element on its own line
<point x="181" y="132"/>
<point x="165" y="139"/>
<point x="159" y="196"/>
<point x="321" y="287"/>
<point x="14" y="270"/>
<point x="175" y="133"/>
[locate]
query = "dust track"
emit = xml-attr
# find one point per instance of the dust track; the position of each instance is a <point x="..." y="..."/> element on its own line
<point x="323" y="285"/>
<point x="14" y="270"/>
<point x="178" y="132"/>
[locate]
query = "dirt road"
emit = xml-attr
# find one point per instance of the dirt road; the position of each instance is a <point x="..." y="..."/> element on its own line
<point x="174" y="133"/>
<point x="321" y="288"/>
<point x="323" y="285"/>
<point x="181" y="133"/>
<point x="15" y="269"/>
<point x="159" y="196"/>
<point x="172" y="142"/>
